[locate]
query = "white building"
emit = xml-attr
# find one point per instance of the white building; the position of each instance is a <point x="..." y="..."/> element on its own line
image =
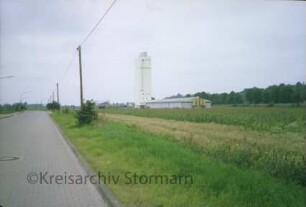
<point x="180" y="103"/>
<point x="142" y="80"/>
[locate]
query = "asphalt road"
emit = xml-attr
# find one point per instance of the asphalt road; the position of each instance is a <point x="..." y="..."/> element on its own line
<point x="39" y="148"/>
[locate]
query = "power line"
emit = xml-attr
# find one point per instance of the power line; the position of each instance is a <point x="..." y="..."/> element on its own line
<point x="67" y="69"/>
<point x="68" y="66"/>
<point x="100" y="20"/>
<point x="84" y="40"/>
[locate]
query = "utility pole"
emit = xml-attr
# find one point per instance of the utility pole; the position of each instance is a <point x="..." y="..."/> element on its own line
<point x="81" y="81"/>
<point x="57" y="92"/>
<point x="52" y="96"/>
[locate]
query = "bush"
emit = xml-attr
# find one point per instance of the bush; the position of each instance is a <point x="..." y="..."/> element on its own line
<point x="19" y="106"/>
<point x="53" y="106"/>
<point x="270" y="104"/>
<point x="66" y="111"/>
<point x="87" y="114"/>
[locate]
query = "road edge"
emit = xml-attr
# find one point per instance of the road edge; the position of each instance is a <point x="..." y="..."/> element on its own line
<point x="106" y="194"/>
<point x="5" y="116"/>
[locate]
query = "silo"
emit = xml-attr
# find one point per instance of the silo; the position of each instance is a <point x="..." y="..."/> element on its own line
<point x="142" y="80"/>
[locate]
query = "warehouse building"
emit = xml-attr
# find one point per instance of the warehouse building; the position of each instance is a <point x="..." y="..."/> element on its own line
<point x="143" y="94"/>
<point x="180" y="103"/>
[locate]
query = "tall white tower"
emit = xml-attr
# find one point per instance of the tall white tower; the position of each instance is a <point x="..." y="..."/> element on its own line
<point x="142" y="80"/>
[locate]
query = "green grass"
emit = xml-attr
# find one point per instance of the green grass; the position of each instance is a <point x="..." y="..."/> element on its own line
<point x="116" y="148"/>
<point x="275" y="120"/>
<point x="280" y="155"/>
<point x="6" y="111"/>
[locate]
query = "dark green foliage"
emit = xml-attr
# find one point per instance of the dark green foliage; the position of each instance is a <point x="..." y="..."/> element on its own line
<point x="10" y="108"/>
<point x="66" y="111"/>
<point x="254" y="95"/>
<point x="87" y="113"/>
<point x="53" y="106"/>
<point x="20" y="106"/>
<point x="273" y="94"/>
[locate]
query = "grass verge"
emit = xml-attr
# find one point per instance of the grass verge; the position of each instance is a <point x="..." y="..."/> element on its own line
<point x="117" y="148"/>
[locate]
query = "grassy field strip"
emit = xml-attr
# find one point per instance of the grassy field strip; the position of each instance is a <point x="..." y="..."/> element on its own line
<point x="3" y="116"/>
<point x="213" y="134"/>
<point x="116" y="148"/>
<point x="278" y="155"/>
<point x="277" y="120"/>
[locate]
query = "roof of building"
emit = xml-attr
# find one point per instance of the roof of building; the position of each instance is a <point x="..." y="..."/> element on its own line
<point x="175" y="100"/>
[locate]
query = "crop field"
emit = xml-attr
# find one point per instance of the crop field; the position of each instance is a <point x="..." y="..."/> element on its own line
<point x="279" y="155"/>
<point x="237" y="156"/>
<point x="271" y="119"/>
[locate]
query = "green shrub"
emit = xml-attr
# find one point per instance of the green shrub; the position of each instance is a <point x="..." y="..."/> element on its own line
<point x="53" y="106"/>
<point x="66" y="111"/>
<point x="270" y="104"/>
<point x="87" y="113"/>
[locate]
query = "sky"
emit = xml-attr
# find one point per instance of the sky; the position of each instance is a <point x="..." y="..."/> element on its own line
<point x="195" y="45"/>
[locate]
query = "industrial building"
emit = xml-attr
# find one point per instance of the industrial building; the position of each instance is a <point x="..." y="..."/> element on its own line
<point x="180" y="103"/>
<point x="142" y="80"/>
<point x="143" y="95"/>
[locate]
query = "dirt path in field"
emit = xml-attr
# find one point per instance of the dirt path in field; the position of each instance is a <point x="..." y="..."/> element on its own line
<point x="210" y="133"/>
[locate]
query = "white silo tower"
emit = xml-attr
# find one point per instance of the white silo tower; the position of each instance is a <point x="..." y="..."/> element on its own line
<point x="142" y="80"/>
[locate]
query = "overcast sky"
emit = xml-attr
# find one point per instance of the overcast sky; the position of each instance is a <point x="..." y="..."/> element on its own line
<point x="195" y="45"/>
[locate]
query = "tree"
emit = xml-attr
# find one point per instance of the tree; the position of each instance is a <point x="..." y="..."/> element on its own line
<point x="20" y="106"/>
<point x="303" y="93"/>
<point x="87" y="113"/>
<point x="274" y="93"/>
<point x="223" y="98"/>
<point x="266" y="96"/>
<point x="238" y="98"/>
<point x="253" y="95"/>
<point x="249" y="95"/>
<point x="215" y="98"/>
<point x="297" y="94"/>
<point x="232" y="98"/>
<point x="203" y="95"/>
<point x="53" y="106"/>
<point x="285" y="93"/>
<point x="281" y="93"/>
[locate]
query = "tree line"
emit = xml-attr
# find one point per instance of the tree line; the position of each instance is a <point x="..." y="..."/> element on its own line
<point x="282" y="93"/>
<point x="9" y="108"/>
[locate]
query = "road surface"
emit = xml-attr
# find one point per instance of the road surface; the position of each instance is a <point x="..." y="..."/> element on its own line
<point x="38" y="148"/>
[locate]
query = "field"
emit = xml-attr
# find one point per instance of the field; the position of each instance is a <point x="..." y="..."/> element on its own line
<point x="232" y="163"/>
<point x="270" y="119"/>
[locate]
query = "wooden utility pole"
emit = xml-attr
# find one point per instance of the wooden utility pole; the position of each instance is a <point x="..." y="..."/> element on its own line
<point x="81" y="81"/>
<point x="57" y="92"/>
